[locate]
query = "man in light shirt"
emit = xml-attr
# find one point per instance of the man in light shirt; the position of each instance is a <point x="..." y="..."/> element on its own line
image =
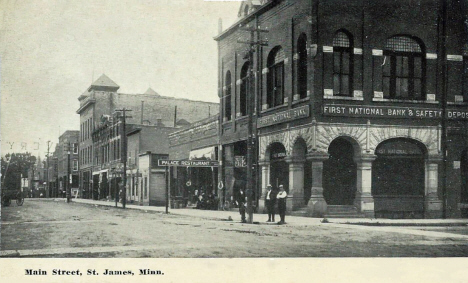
<point x="282" y="203"/>
<point x="270" y="201"/>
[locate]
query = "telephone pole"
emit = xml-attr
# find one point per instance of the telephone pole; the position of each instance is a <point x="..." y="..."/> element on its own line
<point x="123" y="134"/>
<point x="68" y="178"/>
<point x="254" y="45"/>
<point x="49" y="143"/>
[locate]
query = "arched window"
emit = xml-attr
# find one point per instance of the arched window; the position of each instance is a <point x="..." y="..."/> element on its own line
<point x="246" y="10"/>
<point x="404" y="69"/>
<point x="275" y="78"/>
<point x="227" y="96"/>
<point x="244" y="89"/>
<point x="342" y="64"/>
<point x="302" y="66"/>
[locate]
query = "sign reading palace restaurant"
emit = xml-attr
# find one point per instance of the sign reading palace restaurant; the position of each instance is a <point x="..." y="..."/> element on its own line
<point x="391" y="112"/>
<point x="191" y="163"/>
<point x="284" y="116"/>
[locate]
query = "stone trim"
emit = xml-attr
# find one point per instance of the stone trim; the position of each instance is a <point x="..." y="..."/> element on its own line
<point x="457" y="58"/>
<point x="377" y="52"/>
<point x="327" y="49"/>
<point x="431" y="56"/>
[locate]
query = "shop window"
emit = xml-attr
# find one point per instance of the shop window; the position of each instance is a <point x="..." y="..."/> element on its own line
<point x="227" y="96"/>
<point x="275" y="78"/>
<point x="244" y="88"/>
<point x="342" y="64"/>
<point x="302" y="66"/>
<point x="404" y="69"/>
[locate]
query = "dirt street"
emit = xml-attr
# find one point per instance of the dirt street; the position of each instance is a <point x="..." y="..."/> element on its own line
<point x="46" y="228"/>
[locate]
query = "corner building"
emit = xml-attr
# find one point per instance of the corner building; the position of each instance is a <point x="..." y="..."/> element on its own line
<point x="352" y="100"/>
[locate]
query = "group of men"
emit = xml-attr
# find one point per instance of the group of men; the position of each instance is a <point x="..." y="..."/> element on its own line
<point x="271" y="199"/>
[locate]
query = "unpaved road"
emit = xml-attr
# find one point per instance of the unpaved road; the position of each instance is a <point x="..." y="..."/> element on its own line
<point x="42" y="228"/>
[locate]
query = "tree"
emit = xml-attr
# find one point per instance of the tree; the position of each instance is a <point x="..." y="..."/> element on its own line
<point x="18" y="164"/>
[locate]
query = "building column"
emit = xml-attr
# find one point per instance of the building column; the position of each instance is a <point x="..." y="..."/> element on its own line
<point x="432" y="203"/>
<point x="317" y="206"/>
<point x="364" y="201"/>
<point x="296" y="184"/>
<point x="265" y="165"/>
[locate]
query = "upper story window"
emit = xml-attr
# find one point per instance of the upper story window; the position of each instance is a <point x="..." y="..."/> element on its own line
<point x="246" y="10"/>
<point x="75" y="165"/>
<point x="75" y="148"/>
<point x="275" y="77"/>
<point x="302" y="66"/>
<point x="227" y="96"/>
<point x="404" y="69"/>
<point x="244" y="89"/>
<point x="342" y="64"/>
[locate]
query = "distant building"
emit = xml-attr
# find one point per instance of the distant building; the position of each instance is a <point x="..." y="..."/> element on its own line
<point x="67" y="151"/>
<point x="100" y="131"/>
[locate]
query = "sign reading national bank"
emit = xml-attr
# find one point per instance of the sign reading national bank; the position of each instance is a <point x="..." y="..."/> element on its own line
<point x="284" y="116"/>
<point x="391" y="112"/>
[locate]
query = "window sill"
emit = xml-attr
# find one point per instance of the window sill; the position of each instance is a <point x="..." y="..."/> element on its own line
<point x="226" y="122"/>
<point x="344" y="98"/>
<point x="458" y="103"/>
<point x="274" y="108"/>
<point x="301" y="100"/>
<point x="375" y="99"/>
<point x="240" y="118"/>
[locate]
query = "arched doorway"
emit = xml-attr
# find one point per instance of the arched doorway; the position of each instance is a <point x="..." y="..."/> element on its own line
<point x="464" y="182"/>
<point x="339" y="173"/>
<point x="279" y="169"/>
<point x="398" y="179"/>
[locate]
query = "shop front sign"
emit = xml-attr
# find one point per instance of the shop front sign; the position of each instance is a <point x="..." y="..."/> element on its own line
<point x="391" y="112"/>
<point x="240" y="161"/>
<point x="189" y="163"/>
<point x="284" y="116"/>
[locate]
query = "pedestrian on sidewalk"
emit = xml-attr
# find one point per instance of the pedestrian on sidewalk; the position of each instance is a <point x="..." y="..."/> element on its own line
<point x="241" y="202"/>
<point x="270" y="201"/>
<point x="281" y="197"/>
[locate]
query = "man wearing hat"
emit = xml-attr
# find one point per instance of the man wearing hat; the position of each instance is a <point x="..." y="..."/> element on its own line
<point x="270" y="201"/>
<point x="282" y="203"/>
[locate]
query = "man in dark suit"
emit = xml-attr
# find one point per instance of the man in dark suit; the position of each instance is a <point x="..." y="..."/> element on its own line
<point x="241" y="201"/>
<point x="270" y="201"/>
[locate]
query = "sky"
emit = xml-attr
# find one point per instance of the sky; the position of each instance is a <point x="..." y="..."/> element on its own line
<point x="51" y="50"/>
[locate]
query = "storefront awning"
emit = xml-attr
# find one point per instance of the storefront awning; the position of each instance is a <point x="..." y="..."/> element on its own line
<point x="206" y="153"/>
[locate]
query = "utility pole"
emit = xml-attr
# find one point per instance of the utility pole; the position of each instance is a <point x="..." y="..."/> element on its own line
<point x="47" y="162"/>
<point x="443" y="18"/>
<point x="123" y="134"/>
<point x="68" y="178"/>
<point x="253" y="43"/>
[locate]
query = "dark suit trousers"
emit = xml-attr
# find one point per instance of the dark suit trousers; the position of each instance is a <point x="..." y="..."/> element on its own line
<point x="282" y="208"/>
<point x="270" y="205"/>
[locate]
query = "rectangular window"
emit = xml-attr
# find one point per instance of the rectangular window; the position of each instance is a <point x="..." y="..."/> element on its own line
<point x="75" y="165"/>
<point x="75" y="148"/>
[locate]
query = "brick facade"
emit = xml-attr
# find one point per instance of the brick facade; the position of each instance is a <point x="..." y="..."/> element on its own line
<point x="365" y="103"/>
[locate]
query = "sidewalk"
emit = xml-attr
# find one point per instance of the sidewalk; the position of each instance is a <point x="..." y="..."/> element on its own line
<point x="291" y="220"/>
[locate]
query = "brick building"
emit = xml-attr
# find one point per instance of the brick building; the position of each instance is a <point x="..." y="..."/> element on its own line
<point x="353" y="100"/>
<point x="100" y="133"/>
<point x="197" y="142"/>
<point x="67" y="162"/>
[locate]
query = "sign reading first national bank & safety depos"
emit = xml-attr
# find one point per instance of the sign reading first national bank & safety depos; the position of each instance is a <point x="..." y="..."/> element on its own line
<point x="392" y="112"/>
<point x="189" y="163"/>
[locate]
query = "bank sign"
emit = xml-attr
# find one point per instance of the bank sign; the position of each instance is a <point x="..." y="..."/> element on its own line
<point x="391" y="112"/>
<point x="188" y="163"/>
<point x="284" y="116"/>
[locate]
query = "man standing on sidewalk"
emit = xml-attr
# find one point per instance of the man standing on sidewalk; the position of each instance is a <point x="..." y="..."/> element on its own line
<point x="240" y="201"/>
<point x="282" y="203"/>
<point x="270" y="201"/>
